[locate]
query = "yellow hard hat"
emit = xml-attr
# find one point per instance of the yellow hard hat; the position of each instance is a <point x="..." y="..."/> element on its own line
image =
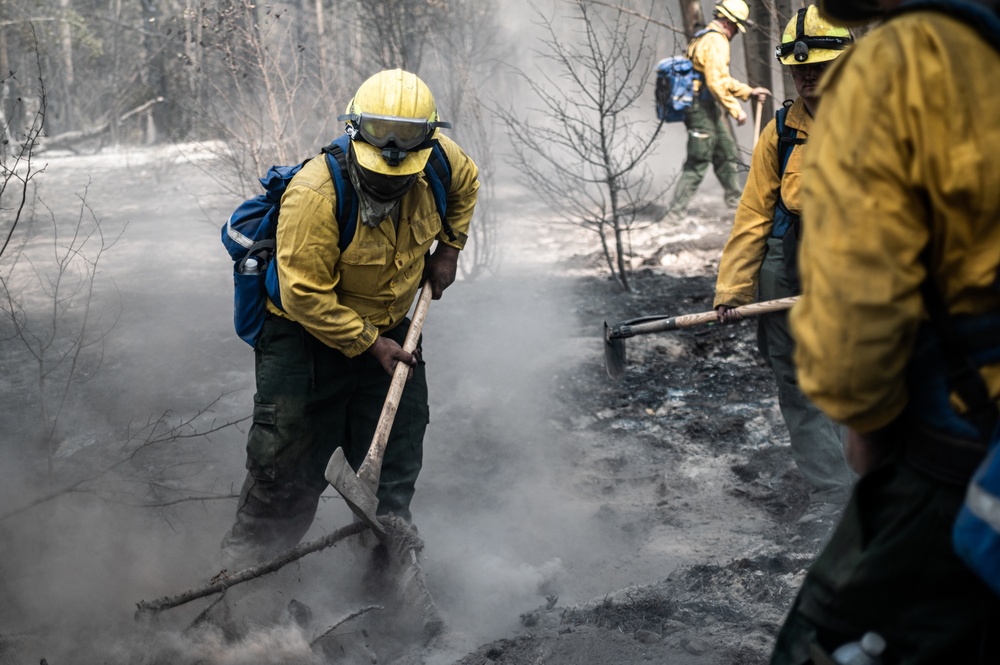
<point x="850" y="12"/>
<point x="736" y="11"/>
<point x="809" y="39"/>
<point x="393" y="121"/>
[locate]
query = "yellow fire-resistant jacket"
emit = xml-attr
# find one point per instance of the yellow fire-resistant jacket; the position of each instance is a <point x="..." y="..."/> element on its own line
<point x="345" y="300"/>
<point x="905" y="151"/>
<point x="710" y="55"/>
<point x="744" y="252"/>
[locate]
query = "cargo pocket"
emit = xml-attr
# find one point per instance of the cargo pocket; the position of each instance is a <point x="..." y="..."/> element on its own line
<point x="262" y="443"/>
<point x="426" y="229"/>
<point x="367" y="260"/>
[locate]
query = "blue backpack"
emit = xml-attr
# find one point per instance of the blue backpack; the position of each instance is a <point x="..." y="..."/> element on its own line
<point x="675" y="77"/>
<point x="249" y="234"/>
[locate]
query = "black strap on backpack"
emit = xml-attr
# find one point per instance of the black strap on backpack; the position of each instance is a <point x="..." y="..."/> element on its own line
<point x="788" y="137"/>
<point x="963" y="378"/>
<point x="347" y="204"/>
<point x="437" y="170"/>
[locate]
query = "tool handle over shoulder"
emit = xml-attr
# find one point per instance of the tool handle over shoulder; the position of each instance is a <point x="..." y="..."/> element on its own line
<point x="371" y="467"/>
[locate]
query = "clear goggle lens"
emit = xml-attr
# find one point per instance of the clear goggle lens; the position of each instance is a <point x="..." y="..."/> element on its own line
<point x="381" y="130"/>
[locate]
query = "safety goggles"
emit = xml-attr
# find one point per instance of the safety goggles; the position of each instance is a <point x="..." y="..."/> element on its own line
<point x="381" y="130"/>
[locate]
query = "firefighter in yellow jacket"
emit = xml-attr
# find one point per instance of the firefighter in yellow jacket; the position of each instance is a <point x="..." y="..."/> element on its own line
<point x="325" y="359"/>
<point x="900" y="208"/>
<point x="759" y="258"/>
<point x="717" y="94"/>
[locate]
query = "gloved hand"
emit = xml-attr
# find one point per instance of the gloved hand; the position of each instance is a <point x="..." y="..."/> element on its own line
<point x="440" y="268"/>
<point x="727" y="314"/>
<point x="388" y="352"/>
<point x="761" y="93"/>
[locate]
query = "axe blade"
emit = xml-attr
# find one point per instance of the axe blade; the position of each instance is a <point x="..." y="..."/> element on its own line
<point x="614" y="353"/>
<point x="358" y="496"/>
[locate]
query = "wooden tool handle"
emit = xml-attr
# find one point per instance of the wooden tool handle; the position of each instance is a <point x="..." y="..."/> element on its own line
<point x="688" y="320"/>
<point x="371" y="468"/>
<point x="756" y="122"/>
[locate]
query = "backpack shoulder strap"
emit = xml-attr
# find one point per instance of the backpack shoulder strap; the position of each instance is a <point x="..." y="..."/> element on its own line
<point x="438" y="174"/>
<point x="787" y="137"/>
<point x="347" y="200"/>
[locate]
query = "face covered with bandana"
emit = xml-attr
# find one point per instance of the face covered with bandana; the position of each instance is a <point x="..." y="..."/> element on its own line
<point x="378" y="194"/>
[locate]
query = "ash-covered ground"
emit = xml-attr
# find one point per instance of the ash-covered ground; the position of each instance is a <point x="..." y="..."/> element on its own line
<point x="566" y="518"/>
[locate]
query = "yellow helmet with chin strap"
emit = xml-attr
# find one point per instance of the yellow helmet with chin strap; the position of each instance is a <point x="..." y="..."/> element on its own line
<point x="392" y="121"/>
<point x="736" y="11"/>
<point x="809" y="39"/>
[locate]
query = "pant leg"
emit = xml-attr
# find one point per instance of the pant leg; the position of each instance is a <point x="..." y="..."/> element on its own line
<point x="297" y="423"/>
<point x="700" y="147"/>
<point x="889" y="567"/>
<point x="726" y="158"/>
<point x="403" y="456"/>
<point x="817" y="442"/>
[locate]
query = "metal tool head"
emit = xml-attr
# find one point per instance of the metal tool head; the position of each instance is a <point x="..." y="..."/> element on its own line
<point x="356" y="493"/>
<point x="614" y="353"/>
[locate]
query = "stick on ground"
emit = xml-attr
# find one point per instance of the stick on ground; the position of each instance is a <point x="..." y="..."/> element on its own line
<point x="154" y="607"/>
<point x="352" y="615"/>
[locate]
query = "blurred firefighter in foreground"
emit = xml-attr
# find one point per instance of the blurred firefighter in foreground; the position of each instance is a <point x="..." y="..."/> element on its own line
<point x="901" y="201"/>
<point x="759" y="258"/>
<point x="716" y="92"/>
<point x="325" y="360"/>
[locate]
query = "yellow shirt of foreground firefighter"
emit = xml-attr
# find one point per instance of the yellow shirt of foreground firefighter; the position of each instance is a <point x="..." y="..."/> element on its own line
<point x="876" y="171"/>
<point x="903" y="159"/>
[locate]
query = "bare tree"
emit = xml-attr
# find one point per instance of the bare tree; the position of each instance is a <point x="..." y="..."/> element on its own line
<point x="470" y="59"/>
<point x="759" y="51"/>
<point x="580" y="151"/>
<point x="49" y="308"/>
<point x="397" y="31"/>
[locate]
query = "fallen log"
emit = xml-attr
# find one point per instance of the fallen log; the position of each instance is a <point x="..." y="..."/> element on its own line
<point x="68" y="139"/>
<point x="223" y="581"/>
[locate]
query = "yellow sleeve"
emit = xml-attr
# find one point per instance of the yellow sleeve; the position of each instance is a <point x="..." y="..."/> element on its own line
<point x="864" y="227"/>
<point x="307" y="254"/>
<point x="744" y="251"/>
<point x="463" y="194"/>
<point x="712" y="56"/>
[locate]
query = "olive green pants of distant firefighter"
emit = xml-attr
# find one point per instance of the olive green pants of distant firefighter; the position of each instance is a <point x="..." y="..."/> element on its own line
<point x="816" y="441"/>
<point x="710" y="143"/>
<point x="889" y="568"/>
<point x="311" y="400"/>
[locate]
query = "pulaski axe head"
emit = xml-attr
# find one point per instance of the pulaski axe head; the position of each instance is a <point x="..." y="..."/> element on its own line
<point x="614" y="353"/>
<point x="356" y="492"/>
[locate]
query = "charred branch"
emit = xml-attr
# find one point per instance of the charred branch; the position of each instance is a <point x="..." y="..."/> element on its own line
<point x="222" y="581"/>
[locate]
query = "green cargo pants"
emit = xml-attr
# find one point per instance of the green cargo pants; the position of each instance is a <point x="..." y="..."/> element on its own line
<point x="889" y="567"/>
<point x="817" y="443"/>
<point x="710" y="142"/>
<point x="310" y="400"/>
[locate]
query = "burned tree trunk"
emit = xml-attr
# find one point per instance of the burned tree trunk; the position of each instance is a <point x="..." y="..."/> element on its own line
<point x="759" y="53"/>
<point x="692" y="16"/>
